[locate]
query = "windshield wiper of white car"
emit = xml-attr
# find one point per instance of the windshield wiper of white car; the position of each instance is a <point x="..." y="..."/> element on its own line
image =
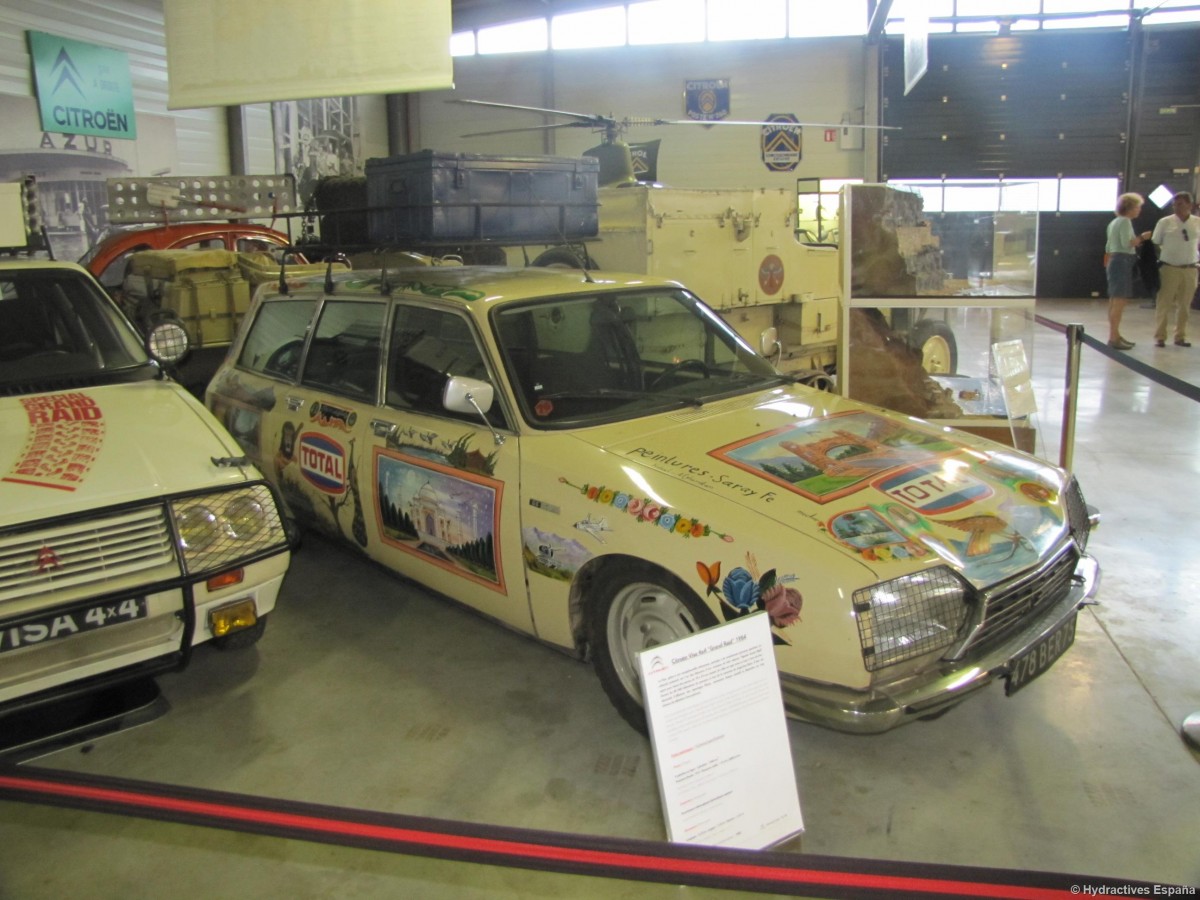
<point x="813" y="378"/>
<point x="615" y="394"/>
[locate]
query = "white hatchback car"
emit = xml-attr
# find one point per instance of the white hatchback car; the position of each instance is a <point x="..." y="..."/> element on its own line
<point x="132" y="527"/>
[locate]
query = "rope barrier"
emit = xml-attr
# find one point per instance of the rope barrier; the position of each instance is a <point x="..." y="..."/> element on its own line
<point x="1178" y="385"/>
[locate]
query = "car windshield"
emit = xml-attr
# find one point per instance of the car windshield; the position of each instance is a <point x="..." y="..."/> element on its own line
<point x="583" y="360"/>
<point x="58" y="330"/>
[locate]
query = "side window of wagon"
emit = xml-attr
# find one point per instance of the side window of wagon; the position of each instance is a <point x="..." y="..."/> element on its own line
<point x="428" y="346"/>
<point x="276" y="339"/>
<point x="344" y="355"/>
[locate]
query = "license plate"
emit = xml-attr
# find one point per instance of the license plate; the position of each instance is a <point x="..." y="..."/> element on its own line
<point x="66" y="623"/>
<point x="1038" y="658"/>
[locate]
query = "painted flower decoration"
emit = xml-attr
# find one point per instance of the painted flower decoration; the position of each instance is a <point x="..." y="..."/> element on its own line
<point x="744" y="590"/>
<point x="741" y="590"/>
<point x="642" y="509"/>
<point x="782" y="605"/>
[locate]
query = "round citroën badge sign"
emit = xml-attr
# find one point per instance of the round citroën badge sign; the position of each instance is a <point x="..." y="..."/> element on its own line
<point x="770" y="274"/>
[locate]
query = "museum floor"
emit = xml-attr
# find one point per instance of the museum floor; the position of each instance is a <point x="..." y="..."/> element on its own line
<point x="367" y="694"/>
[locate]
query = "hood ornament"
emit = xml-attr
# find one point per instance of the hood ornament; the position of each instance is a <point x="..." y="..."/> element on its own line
<point x="47" y="560"/>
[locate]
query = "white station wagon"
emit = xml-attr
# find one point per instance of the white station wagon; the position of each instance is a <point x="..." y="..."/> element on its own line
<point x="132" y="527"/>
<point x="597" y="460"/>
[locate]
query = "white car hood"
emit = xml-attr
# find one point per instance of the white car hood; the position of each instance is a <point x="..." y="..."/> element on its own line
<point x="894" y="492"/>
<point x="69" y="451"/>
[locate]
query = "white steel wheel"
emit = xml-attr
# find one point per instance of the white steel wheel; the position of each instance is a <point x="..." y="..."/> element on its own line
<point x="633" y="612"/>
<point x="937" y="345"/>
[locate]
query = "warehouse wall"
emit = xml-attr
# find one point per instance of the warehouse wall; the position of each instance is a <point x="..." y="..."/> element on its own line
<point x="816" y="80"/>
<point x="1067" y="103"/>
<point x="134" y="27"/>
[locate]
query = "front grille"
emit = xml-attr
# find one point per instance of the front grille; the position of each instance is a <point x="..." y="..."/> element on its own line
<point x="1077" y="513"/>
<point x="1010" y="607"/>
<point x="92" y="551"/>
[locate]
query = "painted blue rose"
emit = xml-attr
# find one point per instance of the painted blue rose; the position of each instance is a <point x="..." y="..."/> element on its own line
<point x="741" y="589"/>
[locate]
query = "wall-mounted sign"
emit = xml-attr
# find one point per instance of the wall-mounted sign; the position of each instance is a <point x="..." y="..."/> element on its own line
<point x="706" y="99"/>
<point x="82" y="88"/>
<point x="781" y="143"/>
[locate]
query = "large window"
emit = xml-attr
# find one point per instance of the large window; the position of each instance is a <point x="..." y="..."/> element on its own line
<point x="1015" y="194"/>
<point x="692" y="21"/>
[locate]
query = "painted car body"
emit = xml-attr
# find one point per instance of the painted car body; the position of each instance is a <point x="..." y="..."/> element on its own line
<point x="106" y="260"/>
<point x="131" y="526"/>
<point x="594" y="459"/>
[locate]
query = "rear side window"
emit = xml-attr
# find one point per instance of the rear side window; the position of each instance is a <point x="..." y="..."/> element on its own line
<point x="276" y="339"/>
<point x="344" y="355"/>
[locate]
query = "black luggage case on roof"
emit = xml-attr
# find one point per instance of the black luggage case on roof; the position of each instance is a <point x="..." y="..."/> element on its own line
<point x="431" y="196"/>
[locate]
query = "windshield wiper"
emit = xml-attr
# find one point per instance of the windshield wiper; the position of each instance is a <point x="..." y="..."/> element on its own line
<point x="615" y="394"/>
<point x="814" y="378"/>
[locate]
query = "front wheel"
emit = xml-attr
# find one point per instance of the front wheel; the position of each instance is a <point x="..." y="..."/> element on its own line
<point x="935" y="341"/>
<point x="636" y="608"/>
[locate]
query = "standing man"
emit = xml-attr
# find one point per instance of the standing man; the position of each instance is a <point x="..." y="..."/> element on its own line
<point x="1177" y="237"/>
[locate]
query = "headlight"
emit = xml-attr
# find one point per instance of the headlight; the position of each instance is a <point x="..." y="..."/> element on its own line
<point x="910" y="616"/>
<point x="198" y="527"/>
<point x="246" y="517"/>
<point x="217" y="531"/>
<point x="168" y="342"/>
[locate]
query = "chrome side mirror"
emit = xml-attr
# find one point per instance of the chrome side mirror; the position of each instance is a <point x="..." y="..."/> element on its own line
<point x="769" y="344"/>
<point x="467" y="395"/>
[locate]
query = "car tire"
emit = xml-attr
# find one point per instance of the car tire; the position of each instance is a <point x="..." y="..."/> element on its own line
<point x="240" y="640"/>
<point x="935" y="341"/>
<point x="636" y="607"/>
<point x="563" y="258"/>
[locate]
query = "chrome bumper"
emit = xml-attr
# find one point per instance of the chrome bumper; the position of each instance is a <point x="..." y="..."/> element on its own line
<point x="883" y="708"/>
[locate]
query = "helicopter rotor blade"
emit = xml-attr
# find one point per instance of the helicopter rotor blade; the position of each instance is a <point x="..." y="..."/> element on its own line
<point x="583" y="118"/>
<point x="636" y="122"/>
<point x="613" y="126"/>
<point x="530" y="128"/>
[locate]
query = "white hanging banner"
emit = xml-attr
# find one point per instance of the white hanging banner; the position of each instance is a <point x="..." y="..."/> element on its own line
<point x="228" y="52"/>
<point x="719" y="733"/>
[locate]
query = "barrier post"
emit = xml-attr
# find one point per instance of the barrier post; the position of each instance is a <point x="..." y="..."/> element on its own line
<point x="1066" y="450"/>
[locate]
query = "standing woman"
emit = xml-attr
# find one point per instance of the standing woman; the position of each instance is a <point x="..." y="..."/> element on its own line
<point x="1121" y="251"/>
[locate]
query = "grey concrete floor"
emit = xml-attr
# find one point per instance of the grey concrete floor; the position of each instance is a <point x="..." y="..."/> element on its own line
<point x="367" y="693"/>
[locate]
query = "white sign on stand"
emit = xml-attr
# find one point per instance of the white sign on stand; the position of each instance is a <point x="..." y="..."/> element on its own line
<point x="720" y="737"/>
<point x="1015" y="379"/>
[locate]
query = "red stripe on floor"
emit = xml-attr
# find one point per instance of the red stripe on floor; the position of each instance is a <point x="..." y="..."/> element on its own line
<point x="497" y="851"/>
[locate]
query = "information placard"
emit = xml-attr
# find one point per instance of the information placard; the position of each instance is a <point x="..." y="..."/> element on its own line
<point x="720" y="737"/>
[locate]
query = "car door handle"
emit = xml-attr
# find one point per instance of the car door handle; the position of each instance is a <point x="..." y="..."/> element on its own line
<point x="294" y="403"/>
<point x="382" y="428"/>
